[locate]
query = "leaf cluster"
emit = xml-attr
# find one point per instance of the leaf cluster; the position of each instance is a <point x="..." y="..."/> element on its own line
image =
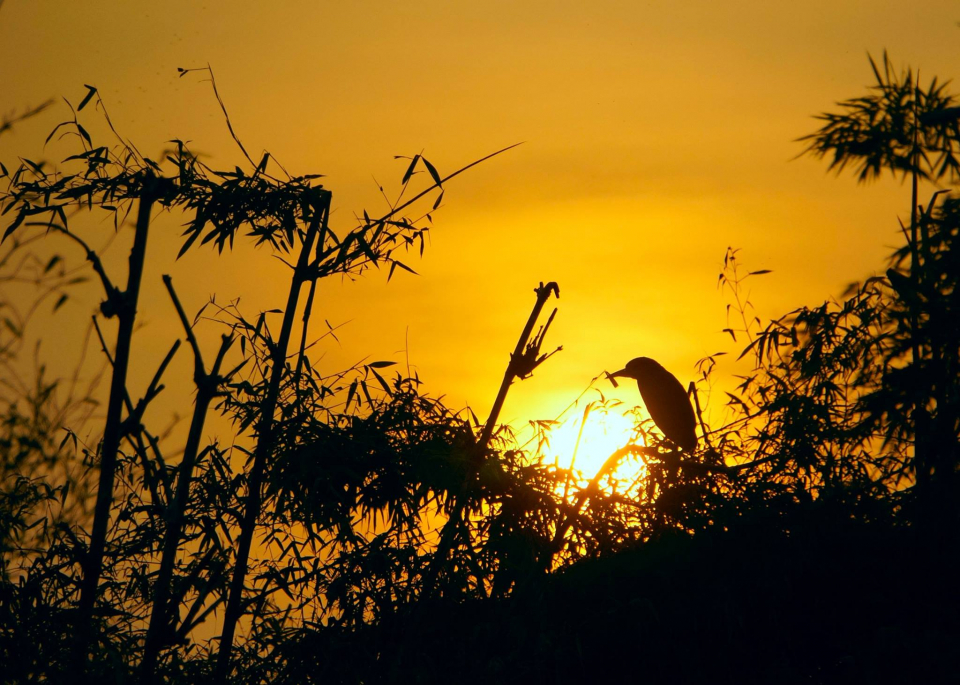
<point x="900" y="127"/>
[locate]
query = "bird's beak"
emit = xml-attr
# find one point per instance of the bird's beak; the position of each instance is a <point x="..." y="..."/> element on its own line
<point x="613" y="377"/>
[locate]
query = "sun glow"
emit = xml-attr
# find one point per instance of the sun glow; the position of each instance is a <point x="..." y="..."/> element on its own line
<point x="604" y="431"/>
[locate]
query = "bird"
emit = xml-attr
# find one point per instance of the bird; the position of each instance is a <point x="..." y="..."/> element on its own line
<point x="665" y="399"/>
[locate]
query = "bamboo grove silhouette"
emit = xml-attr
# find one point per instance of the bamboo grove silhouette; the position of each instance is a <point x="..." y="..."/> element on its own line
<point x="357" y="529"/>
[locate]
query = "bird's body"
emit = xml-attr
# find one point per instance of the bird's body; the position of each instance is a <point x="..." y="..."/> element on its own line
<point x="666" y="401"/>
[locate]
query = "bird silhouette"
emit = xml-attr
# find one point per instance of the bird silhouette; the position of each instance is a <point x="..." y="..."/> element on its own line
<point x="665" y="399"/>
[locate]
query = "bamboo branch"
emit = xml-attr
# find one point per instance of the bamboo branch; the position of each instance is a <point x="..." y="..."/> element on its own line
<point x="522" y="361"/>
<point x="208" y="386"/>
<point x="234" y="609"/>
<point x="126" y="313"/>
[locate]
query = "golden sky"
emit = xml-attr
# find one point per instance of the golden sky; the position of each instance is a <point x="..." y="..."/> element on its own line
<point x="655" y="135"/>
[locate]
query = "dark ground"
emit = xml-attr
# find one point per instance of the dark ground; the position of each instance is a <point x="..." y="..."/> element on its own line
<point x="833" y="601"/>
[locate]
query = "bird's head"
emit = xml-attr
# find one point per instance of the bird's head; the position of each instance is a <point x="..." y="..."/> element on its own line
<point x="636" y="369"/>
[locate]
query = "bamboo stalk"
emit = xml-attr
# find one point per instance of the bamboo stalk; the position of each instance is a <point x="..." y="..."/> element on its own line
<point x="513" y="370"/>
<point x="920" y="461"/>
<point x="125" y="306"/>
<point x="543" y="294"/>
<point x="207" y="388"/>
<point x="234" y="609"/>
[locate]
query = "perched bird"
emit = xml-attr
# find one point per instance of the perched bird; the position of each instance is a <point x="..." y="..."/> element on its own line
<point x="665" y="399"/>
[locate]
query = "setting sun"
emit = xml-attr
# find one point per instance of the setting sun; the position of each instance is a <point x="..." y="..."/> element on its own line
<point x="604" y="431"/>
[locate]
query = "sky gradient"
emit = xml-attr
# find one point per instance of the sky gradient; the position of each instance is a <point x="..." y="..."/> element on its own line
<point x="655" y="135"/>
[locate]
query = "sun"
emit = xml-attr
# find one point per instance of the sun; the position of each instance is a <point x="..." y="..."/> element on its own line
<point x="604" y="431"/>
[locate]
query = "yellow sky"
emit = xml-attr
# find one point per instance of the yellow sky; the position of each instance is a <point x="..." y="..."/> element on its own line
<point x="656" y="134"/>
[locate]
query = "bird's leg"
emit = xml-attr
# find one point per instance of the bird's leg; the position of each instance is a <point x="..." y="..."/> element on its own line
<point x="711" y="454"/>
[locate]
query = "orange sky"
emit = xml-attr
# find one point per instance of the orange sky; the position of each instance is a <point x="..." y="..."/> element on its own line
<point x="656" y="134"/>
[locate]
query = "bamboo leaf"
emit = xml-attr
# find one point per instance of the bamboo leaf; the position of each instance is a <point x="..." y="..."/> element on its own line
<point x="351" y="392"/>
<point x="14" y="226"/>
<point x="84" y="134"/>
<point x="402" y="266"/>
<point x="383" y="383"/>
<point x="91" y="91"/>
<point x="366" y="393"/>
<point x="187" y="243"/>
<point x="433" y="172"/>
<point x="409" y="172"/>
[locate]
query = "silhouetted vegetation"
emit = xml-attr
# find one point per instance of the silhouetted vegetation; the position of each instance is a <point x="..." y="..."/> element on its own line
<point x="356" y="529"/>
